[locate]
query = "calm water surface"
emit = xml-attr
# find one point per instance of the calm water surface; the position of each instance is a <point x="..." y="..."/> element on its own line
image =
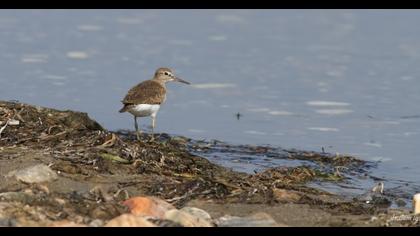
<point x="345" y="80"/>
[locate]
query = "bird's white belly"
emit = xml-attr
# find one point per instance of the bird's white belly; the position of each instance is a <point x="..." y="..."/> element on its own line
<point x="141" y="110"/>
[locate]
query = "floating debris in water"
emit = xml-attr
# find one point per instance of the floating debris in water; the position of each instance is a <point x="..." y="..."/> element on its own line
<point x="34" y="58"/>
<point x="324" y="129"/>
<point x="254" y="132"/>
<point x="373" y="144"/>
<point x="334" y="111"/>
<point x="280" y="113"/>
<point x="410" y="117"/>
<point x="89" y="27"/>
<point x="77" y="55"/>
<point x="217" y="38"/>
<point x="327" y="103"/>
<point x="130" y="21"/>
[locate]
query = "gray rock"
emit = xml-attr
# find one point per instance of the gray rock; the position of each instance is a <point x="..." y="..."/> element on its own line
<point x="256" y="220"/>
<point x="96" y="223"/>
<point x="197" y="212"/>
<point x="34" y="174"/>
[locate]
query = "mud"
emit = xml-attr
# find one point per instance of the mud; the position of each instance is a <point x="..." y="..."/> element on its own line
<point x="97" y="169"/>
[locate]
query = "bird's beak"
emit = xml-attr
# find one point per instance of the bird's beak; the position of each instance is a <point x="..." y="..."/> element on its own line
<point x="181" y="80"/>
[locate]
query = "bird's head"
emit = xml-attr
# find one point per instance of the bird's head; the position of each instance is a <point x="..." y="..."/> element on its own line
<point x="166" y="75"/>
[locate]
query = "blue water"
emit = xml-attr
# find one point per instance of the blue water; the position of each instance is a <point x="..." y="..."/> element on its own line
<point x="345" y="80"/>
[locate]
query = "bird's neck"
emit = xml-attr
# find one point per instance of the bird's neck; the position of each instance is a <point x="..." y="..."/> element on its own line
<point x="160" y="81"/>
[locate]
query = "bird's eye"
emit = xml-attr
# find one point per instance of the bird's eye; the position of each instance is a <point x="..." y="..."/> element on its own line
<point x="166" y="73"/>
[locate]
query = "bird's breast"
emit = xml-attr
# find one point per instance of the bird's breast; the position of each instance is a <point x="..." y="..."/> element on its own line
<point x="141" y="110"/>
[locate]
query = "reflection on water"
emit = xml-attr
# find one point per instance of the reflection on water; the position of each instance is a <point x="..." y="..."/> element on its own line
<point x="343" y="80"/>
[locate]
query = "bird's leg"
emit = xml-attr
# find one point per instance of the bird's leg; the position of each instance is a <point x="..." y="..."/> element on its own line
<point x="153" y="127"/>
<point x="137" y="128"/>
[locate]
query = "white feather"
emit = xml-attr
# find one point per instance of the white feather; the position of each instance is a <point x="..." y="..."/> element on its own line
<point x="142" y="110"/>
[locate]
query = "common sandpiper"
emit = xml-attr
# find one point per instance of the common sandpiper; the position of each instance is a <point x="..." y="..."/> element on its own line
<point x="145" y="98"/>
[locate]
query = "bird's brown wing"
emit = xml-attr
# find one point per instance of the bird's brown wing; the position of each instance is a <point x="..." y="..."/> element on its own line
<point x="147" y="92"/>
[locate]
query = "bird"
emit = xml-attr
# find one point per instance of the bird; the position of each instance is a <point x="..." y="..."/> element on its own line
<point x="145" y="98"/>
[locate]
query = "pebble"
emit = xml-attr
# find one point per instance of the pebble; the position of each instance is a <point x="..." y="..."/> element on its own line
<point x="96" y="223"/>
<point x="283" y="195"/>
<point x="129" y="220"/>
<point x="185" y="219"/>
<point x="34" y="174"/>
<point x="197" y="212"/>
<point x="256" y="220"/>
<point x="148" y="206"/>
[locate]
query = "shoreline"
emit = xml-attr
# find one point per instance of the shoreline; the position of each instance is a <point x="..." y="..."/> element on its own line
<point x="96" y="170"/>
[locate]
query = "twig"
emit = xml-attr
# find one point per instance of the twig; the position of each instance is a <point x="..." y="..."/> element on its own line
<point x="110" y="142"/>
<point x="7" y="122"/>
<point x="4" y="127"/>
<point x="127" y="196"/>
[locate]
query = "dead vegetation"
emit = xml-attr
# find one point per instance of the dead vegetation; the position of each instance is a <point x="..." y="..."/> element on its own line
<point x="86" y="155"/>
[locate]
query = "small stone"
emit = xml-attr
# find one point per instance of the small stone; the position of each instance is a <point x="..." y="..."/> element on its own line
<point x="283" y="195"/>
<point x="34" y="174"/>
<point x="66" y="223"/>
<point x="197" y="212"/>
<point x="129" y="220"/>
<point x="185" y="219"/>
<point x="256" y="220"/>
<point x="149" y="206"/>
<point x="96" y="223"/>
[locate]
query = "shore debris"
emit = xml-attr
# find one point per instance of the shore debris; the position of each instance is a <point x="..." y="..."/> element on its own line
<point x="99" y="170"/>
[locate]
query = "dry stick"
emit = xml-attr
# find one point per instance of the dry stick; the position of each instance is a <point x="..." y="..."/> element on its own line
<point x="127" y="196"/>
<point x="7" y="122"/>
<point x="187" y="194"/>
<point x="4" y="127"/>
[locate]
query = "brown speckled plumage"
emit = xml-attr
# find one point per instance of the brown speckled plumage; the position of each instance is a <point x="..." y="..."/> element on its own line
<point x="145" y="98"/>
<point x="147" y="92"/>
